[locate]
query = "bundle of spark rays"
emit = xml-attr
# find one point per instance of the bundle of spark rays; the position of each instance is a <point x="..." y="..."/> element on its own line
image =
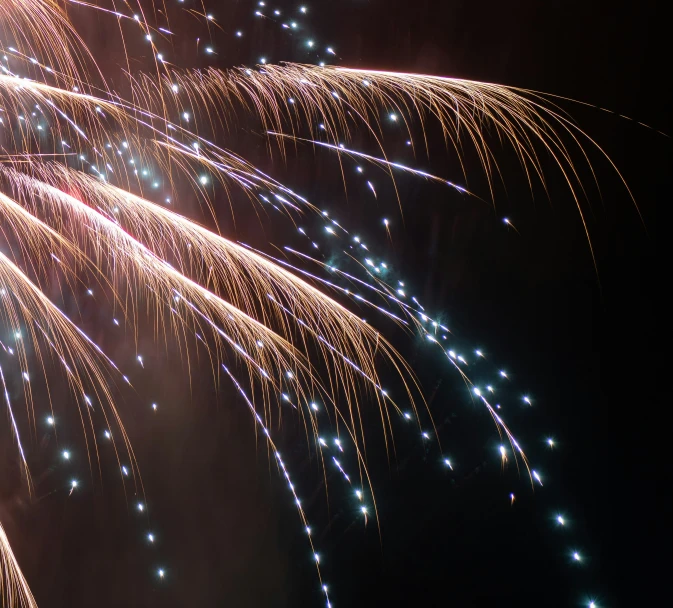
<point x="34" y="26"/>
<point x="75" y="122"/>
<point x="340" y="101"/>
<point x="14" y="590"/>
<point x="255" y="284"/>
<point x="24" y="305"/>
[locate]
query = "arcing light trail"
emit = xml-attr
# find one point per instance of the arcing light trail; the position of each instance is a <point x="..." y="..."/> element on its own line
<point x="341" y="149"/>
<point x="266" y="313"/>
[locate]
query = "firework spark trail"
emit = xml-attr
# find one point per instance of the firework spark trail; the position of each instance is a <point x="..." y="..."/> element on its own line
<point x="246" y="276"/>
<point x="499" y="422"/>
<point x="417" y="316"/>
<point x="133" y="258"/>
<point x="35" y="25"/>
<point x="14" y="590"/>
<point x="15" y="428"/>
<point x="332" y="285"/>
<point x="300" y="510"/>
<point x="24" y="305"/>
<point x="419" y="319"/>
<point x="320" y="94"/>
<point x="341" y="149"/>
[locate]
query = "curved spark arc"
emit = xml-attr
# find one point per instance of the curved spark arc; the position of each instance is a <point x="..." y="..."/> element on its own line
<point x="14" y="589"/>
<point x="15" y="429"/>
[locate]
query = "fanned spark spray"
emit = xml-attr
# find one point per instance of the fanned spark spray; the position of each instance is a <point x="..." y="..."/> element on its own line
<point x="14" y="590"/>
<point x="79" y="165"/>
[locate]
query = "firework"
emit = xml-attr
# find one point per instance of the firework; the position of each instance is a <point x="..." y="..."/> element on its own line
<point x="77" y="196"/>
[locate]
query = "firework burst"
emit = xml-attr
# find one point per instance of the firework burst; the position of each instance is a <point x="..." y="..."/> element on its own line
<point x="74" y="199"/>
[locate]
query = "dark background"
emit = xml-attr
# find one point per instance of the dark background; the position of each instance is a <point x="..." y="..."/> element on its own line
<point x="589" y="346"/>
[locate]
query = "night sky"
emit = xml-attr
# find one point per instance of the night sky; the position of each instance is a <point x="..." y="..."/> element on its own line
<point x="587" y="344"/>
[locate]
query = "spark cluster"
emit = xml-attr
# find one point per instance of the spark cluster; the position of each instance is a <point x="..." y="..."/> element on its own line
<point x="88" y="194"/>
